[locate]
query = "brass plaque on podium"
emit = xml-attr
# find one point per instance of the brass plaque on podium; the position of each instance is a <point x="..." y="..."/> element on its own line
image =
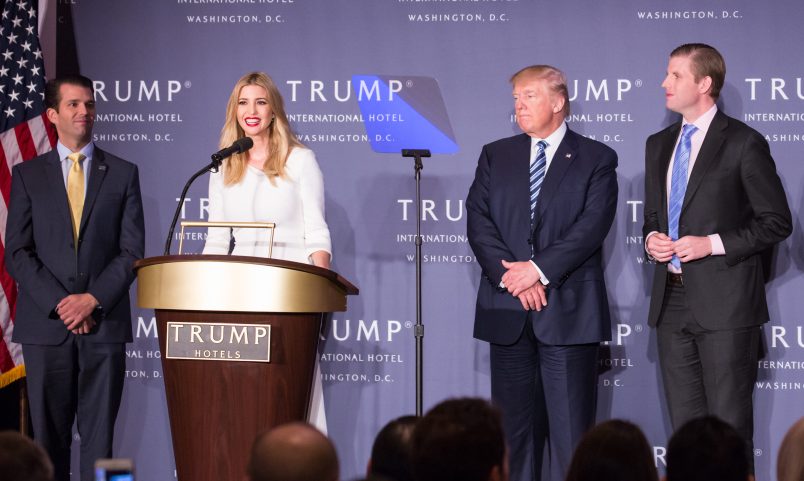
<point x="218" y="342"/>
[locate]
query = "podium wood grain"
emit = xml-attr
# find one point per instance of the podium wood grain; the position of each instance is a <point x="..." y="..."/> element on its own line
<point x="217" y="407"/>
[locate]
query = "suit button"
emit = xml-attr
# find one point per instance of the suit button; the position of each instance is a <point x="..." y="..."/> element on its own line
<point x="71" y="279"/>
<point x="81" y="274"/>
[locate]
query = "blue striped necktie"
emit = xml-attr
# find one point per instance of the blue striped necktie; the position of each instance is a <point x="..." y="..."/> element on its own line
<point x="537" y="169"/>
<point x="678" y="184"/>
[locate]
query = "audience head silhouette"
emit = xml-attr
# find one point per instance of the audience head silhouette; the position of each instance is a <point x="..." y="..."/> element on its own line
<point x="705" y="449"/>
<point x="613" y="451"/>
<point x="460" y="440"/>
<point x="790" y="464"/>
<point x="391" y="453"/>
<point x="293" y="452"/>
<point x="22" y="460"/>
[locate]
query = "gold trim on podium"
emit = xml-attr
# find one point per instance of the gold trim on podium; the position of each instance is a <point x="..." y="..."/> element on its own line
<point x="245" y="225"/>
<point x="239" y="284"/>
<point x="217" y="407"/>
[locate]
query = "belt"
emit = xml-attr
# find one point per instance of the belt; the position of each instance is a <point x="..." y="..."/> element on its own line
<point x="676" y="280"/>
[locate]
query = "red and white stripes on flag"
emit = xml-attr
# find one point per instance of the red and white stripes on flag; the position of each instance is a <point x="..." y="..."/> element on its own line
<point x="26" y="133"/>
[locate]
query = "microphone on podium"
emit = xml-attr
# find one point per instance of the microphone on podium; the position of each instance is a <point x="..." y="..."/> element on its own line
<point x="238" y="146"/>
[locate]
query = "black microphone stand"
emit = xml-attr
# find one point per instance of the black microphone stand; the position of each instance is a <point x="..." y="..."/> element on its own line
<point x="212" y="167"/>
<point x="418" y="331"/>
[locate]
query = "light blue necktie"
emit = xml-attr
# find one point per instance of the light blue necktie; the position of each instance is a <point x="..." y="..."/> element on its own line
<point x="537" y="170"/>
<point x="678" y="184"/>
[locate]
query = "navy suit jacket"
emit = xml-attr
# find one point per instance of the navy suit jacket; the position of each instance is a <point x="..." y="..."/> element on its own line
<point x="40" y="253"/>
<point x="734" y="191"/>
<point x="575" y="210"/>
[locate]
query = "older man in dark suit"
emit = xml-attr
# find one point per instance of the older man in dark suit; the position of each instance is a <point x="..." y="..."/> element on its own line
<point x="713" y="204"/>
<point x="74" y="229"/>
<point x="538" y="211"/>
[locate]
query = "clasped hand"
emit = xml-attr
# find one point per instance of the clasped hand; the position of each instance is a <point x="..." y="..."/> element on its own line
<point x="75" y="312"/>
<point x="522" y="281"/>
<point x="688" y="248"/>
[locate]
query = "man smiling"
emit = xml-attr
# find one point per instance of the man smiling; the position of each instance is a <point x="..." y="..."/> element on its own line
<point x="75" y="227"/>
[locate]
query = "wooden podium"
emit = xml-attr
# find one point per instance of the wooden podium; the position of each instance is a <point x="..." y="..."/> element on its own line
<point x="213" y="314"/>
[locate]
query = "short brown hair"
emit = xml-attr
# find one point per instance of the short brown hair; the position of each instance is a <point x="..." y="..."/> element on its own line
<point x="23" y="460"/>
<point x="458" y="439"/>
<point x="53" y="88"/>
<point x="790" y="465"/>
<point x="392" y="450"/>
<point x="613" y="449"/>
<point x="706" y="62"/>
<point x="707" y="448"/>
<point x="555" y="78"/>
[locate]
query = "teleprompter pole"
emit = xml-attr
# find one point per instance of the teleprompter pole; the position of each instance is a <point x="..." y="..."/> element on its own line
<point x="418" y="331"/>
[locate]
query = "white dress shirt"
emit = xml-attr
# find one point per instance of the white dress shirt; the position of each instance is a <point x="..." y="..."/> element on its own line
<point x="66" y="164"/>
<point x="553" y="141"/>
<point x="696" y="141"/>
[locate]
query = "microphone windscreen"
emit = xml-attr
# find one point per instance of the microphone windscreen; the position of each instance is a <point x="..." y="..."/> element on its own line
<point x="244" y="144"/>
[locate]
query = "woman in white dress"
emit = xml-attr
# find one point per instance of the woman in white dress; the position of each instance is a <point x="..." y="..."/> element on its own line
<point x="278" y="180"/>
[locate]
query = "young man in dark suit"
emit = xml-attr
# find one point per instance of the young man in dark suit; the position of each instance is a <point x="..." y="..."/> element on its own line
<point x="74" y="229"/>
<point x="539" y="209"/>
<point x="713" y="204"/>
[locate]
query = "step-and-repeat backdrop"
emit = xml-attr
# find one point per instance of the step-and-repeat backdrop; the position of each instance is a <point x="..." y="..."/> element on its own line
<point x="165" y="68"/>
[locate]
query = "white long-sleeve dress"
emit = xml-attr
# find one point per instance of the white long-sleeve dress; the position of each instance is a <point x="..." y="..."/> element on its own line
<point x="295" y="204"/>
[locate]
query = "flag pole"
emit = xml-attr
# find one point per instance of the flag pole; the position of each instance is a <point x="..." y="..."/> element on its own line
<point x="24" y="429"/>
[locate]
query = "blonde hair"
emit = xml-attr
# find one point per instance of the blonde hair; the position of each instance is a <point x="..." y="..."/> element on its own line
<point x="554" y="78"/>
<point x="281" y="139"/>
<point x="790" y="463"/>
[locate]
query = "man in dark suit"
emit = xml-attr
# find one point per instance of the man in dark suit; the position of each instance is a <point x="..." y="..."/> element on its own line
<point x="74" y="229"/>
<point x="538" y="210"/>
<point x="713" y="204"/>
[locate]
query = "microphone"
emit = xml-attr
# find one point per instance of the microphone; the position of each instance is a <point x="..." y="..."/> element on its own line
<point x="238" y="147"/>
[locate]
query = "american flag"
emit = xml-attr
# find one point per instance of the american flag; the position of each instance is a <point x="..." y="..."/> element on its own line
<point x="26" y="133"/>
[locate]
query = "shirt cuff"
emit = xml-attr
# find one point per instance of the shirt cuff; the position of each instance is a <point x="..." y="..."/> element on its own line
<point x="717" y="245"/>
<point x="542" y="277"/>
<point x="646" y="244"/>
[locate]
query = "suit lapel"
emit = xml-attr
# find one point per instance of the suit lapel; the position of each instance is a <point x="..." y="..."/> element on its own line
<point x="518" y="192"/>
<point x="96" y="176"/>
<point x="55" y="183"/>
<point x="562" y="160"/>
<point x="706" y="156"/>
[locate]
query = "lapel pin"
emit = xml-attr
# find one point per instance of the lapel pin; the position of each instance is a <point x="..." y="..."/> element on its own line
<point x="102" y="167"/>
<point x="568" y="155"/>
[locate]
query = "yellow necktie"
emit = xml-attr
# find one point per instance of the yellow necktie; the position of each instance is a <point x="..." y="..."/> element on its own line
<point x="75" y="192"/>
